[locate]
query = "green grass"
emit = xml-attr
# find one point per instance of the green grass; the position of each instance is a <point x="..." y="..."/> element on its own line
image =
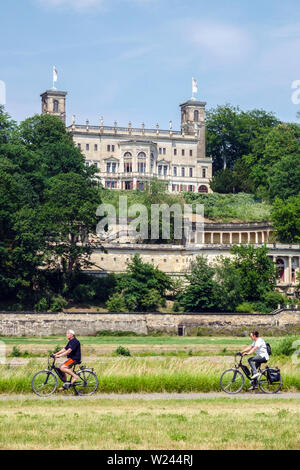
<point x="138" y="424"/>
<point x="135" y="340"/>
<point x="135" y="375"/>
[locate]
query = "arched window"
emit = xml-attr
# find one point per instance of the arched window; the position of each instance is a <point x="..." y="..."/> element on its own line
<point x="142" y="155"/>
<point x="280" y="266"/>
<point x="127" y="155"/>
<point x="203" y="189"/>
<point x="196" y="116"/>
<point x="55" y="106"/>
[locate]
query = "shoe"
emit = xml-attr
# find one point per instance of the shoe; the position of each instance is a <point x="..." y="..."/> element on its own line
<point x="253" y="387"/>
<point x="255" y="376"/>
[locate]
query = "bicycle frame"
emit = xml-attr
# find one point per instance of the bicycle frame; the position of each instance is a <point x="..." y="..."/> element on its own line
<point x="241" y="366"/>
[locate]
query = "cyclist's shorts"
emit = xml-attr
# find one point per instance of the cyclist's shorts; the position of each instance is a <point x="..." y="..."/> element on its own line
<point x="69" y="362"/>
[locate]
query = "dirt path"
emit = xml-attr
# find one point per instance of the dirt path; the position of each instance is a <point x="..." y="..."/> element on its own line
<point x="156" y="396"/>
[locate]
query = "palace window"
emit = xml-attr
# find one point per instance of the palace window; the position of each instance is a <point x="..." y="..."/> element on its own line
<point x="79" y="146"/>
<point x="183" y="171"/>
<point x="128" y="167"/>
<point x="159" y="169"/>
<point x="152" y="161"/>
<point x="108" y="148"/>
<point x="196" y="116"/>
<point x="203" y="189"/>
<point x="191" y="153"/>
<point x="280" y="266"/>
<point x="165" y="170"/>
<point x="95" y="147"/>
<point x="141" y="167"/>
<point x="113" y="167"/>
<point x="87" y="147"/>
<point x="175" y="151"/>
<point x="182" y="152"/>
<point x="175" y="171"/>
<point x="55" y="106"/>
<point x="112" y="148"/>
<point x="191" y="172"/>
<point x="203" y="172"/>
<point x="107" y="167"/>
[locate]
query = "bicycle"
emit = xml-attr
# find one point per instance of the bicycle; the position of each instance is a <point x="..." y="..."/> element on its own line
<point x="45" y="382"/>
<point x="232" y="380"/>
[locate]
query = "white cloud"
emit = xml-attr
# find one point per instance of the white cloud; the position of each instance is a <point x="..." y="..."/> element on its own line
<point x="221" y="41"/>
<point x="80" y="5"/>
<point x="74" y="4"/>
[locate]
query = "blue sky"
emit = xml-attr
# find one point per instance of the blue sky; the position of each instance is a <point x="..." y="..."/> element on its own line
<point x="134" y="59"/>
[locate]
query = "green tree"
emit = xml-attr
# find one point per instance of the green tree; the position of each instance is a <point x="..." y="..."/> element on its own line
<point x="256" y="270"/>
<point x="285" y="177"/>
<point x="268" y="149"/>
<point x="230" y="133"/>
<point x="201" y="294"/>
<point x="286" y="219"/>
<point x="224" y="182"/>
<point x="70" y="211"/>
<point x="230" y="285"/>
<point x="143" y="286"/>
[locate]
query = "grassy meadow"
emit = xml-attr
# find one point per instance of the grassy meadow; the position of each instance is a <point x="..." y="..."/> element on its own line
<point x="156" y="364"/>
<point x="119" y="424"/>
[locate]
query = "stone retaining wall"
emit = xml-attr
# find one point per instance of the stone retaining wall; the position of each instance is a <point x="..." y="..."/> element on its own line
<point x="45" y="324"/>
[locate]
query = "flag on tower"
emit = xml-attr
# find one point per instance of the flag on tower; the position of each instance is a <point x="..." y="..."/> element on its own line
<point x="194" y="86"/>
<point x="54" y="74"/>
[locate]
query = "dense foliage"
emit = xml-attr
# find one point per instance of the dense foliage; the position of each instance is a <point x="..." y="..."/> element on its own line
<point x="48" y="202"/>
<point x="248" y="277"/>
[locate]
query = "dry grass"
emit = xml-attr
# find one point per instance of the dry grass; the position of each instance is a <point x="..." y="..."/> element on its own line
<point x="151" y="374"/>
<point x="120" y="424"/>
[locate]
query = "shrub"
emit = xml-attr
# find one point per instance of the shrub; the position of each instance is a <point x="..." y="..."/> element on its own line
<point x="42" y="305"/>
<point x="131" y="303"/>
<point x="245" y="307"/>
<point x="57" y="303"/>
<point x="15" y="352"/>
<point x="151" y="300"/>
<point x="118" y="333"/>
<point x="116" y="303"/>
<point x="284" y="347"/>
<point x="273" y="298"/>
<point x="83" y="293"/>
<point x="121" y="351"/>
<point x="176" y="307"/>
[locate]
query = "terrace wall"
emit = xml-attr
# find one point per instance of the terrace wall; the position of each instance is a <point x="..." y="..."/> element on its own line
<point x="46" y="324"/>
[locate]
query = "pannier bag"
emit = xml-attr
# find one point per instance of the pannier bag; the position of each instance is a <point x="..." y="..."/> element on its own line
<point x="246" y="370"/>
<point x="273" y="375"/>
<point x="269" y="350"/>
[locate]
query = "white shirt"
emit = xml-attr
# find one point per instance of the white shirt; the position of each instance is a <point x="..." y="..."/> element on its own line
<point x="261" y="350"/>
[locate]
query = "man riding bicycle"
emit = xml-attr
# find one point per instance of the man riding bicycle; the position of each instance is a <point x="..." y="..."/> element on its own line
<point x="259" y="346"/>
<point x="73" y="352"/>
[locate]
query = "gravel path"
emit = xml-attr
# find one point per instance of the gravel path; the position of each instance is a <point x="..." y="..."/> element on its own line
<point x="156" y="396"/>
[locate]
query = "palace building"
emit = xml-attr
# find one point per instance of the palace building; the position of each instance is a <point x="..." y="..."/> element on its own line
<point x="129" y="157"/>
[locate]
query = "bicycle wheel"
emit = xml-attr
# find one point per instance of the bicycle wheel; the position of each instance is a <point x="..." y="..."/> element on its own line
<point x="44" y="383"/>
<point x="269" y="387"/>
<point x="232" y="381"/>
<point x="88" y="383"/>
